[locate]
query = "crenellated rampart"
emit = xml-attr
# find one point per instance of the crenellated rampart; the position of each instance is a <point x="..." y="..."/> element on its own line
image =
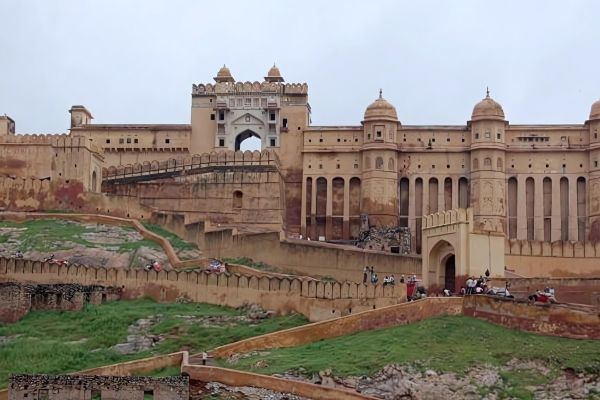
<point x="317" y="300"/>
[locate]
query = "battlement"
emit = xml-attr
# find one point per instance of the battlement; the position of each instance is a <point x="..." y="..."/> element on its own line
<point x="447" y="217"/>
<point x="202" y="89"/>
<point x="214" y="159"/>
<point x="56" y="140"/>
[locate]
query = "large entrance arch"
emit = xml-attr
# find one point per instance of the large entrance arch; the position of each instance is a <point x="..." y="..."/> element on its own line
<point x="451" y="248"/>
<point x="248" y="134"/>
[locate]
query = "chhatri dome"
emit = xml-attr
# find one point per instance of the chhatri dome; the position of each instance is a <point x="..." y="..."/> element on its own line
<point x="595" y="111"/>
<point x="274" y="75"/>
<point x="487" y="109"/>
<point x="381" y="109"/>
<point x="224" y="75"/>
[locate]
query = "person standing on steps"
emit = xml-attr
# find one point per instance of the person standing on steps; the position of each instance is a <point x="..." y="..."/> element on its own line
<point x="365" y="273"/>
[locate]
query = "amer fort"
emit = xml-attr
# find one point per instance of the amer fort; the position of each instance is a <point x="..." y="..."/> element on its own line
<point x="373" y="261"/>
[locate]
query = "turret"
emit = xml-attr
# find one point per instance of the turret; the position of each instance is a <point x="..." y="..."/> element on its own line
<point x="488" y="148"/>
<point x="594" y="173"/>
<point x="380" y="162"/>
<point x="7" y="125"/>
<point x="80" y="116"/>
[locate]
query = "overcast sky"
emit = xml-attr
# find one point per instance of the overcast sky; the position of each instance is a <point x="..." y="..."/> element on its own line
<point x="135" y="61"/>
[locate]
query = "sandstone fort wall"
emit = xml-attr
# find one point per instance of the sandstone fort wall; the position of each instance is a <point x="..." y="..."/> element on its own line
<point x="315" y="299"/>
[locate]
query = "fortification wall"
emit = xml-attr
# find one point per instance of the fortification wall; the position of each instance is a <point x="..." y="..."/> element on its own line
<point x="386" y="317"/>
<point x="306" y="257"/>
<point x="568" y="290"/>
<point x="552" y="320"/>
<point x="556" y="259"/>
<point x="315" y="299"/>
<point x="17" y="299"/>
<point x="239" y="378"/>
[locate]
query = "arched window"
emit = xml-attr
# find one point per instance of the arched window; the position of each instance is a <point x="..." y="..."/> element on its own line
<point x="487" y="162"/>
<point x="391" y="164"/>
<point x="238" y="198"/>
<point x="94" y="179"/>
<point x="499" y="164"/>
<point x="475" y="163"/>
<point x="379" y="163"/>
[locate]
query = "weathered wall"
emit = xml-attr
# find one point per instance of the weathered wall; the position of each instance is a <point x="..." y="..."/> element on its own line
<point x="239" y="378"/>
<point x="374" y="319"/>
<point x="556" y="259"/>
<point x="81" y="387"/>
<point x="568" y="290"/>
<point x="315" y="299"/>
<point x="307" y="257"/>
<point x="17" y="299"/>
<point x="553" y="320"/>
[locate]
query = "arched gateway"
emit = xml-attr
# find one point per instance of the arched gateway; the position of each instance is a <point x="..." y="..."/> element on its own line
<point x="452" y="249"/>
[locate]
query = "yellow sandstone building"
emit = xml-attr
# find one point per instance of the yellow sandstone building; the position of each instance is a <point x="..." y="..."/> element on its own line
<point x="507" y="183"/>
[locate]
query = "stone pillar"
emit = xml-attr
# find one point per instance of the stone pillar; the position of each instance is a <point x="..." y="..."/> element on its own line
<point x="538" y="209"/>
<point x="441" y="190"/>
<point x="425" y="208"/>
<point x="303" y="209"/>
<point x="455" y="192"/>
<point x="521" y="208"/>
<point x="329" y="209"/>
<point x="556" y="214"/>
<point x="313" y="209"/>
<point x="346" y="219"/>
<point x="573" y="226"/>
<point x="412" y="223"/>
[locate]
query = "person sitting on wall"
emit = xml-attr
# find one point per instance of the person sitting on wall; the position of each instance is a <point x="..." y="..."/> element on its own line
<point x="365" y="273"/>
<point x="446" y="293"/>
<point x="469" y="284"/>
<point x="386" y="280"/>
<point x="402" y="279"/>
<point x="463" y="291"/>
<point x="374" y="278"/>
<point x="478" y="290"/>
<point x="392" y="280"/>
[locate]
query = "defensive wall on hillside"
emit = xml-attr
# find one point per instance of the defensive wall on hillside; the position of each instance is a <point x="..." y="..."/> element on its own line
<point x="568" y="290"/>
<point x="315" y="299"/>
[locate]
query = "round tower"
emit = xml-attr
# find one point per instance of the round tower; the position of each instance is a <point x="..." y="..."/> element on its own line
<point x="488" y="148"/>
<point x="594" y="173"/>
<point x="379" y="186"/>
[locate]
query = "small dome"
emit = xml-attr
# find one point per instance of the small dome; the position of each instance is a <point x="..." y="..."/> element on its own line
<point x="274" y="75"/>
<point x="487" y="109"/>
<point x="595" y="111"/>
<point x="381" y="109"/>
<point x="224" y="75"/>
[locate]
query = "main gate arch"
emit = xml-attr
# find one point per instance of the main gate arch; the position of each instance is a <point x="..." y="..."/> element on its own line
<point x="451" y="248"/>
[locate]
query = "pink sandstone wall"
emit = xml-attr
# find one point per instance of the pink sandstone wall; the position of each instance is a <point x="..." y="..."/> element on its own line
<point x="568" y="290"/>
<point x="386" y="317"/>
<point x="552" y="320"/>
<point x="315" y="299"/>
<point x="238" y="378"/>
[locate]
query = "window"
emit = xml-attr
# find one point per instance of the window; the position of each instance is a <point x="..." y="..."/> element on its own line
<point x="135" y="140"/>
<point x="240" y="102"/>
<point x="212" y="117"/>
<point x="121" y="141"/>
<point x="499" y="136"/>
<point x="487" y="162"/>
<point x="433" y="139"/>
<point x="238" y="198"/>
<point x="256" y="102"/>
<point x="475" y="163"/>
<point x="355" y="166"/>
<point x="272" y="142"/>
<point x="368" y="136"/>
<point x="263" y="102"/>
<point x="356" y="139"/>
<point x="167" y="140"/>
<point x="379" y="163"/>
<point x="499" y="164"/>
<point x="488" y="135"/>
<point x="320" y="166"/>
<point x="595" y="163"/>
<point x="107" y="141"/>
<point x="221" y="142"/>
<point x="320" y="140"/>
<point x="462" y="140"/>
<point x="391" y="164"/>
<point x="248" y="102"/>
<point x="337" y="166"/>
<point x="231" y="102"/>
<point x="285" y="122"/>
<point x="339" y="140"/>
<point x="477" y="136"/>
<point x="447" y="139"/>
<point x="272" y="116"/>
<point x="378" y="134"/>
<point x="128" y="140"/>
<point x="221" y="115"/>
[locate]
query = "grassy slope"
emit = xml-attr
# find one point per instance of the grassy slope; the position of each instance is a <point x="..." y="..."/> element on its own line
<point x="176" y="241"/>
<point x="43" y="342"/>
<point x="451" y="344"/>
<point x="47" y="235"/>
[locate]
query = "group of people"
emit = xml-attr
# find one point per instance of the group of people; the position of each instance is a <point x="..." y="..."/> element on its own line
<point x="369" y="274"/>
<point x="474" y="286"/>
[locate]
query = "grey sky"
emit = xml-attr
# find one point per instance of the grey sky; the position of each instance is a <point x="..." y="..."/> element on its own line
<point x="135" y="61"/>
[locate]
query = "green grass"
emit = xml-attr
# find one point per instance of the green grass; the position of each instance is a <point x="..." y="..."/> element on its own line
<point x="446" y="344"/>
<point x="248" y="262"/>
<point x="176" y="241"/>
<point x="42" y="344"/>
<point x="55" y="234"/>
